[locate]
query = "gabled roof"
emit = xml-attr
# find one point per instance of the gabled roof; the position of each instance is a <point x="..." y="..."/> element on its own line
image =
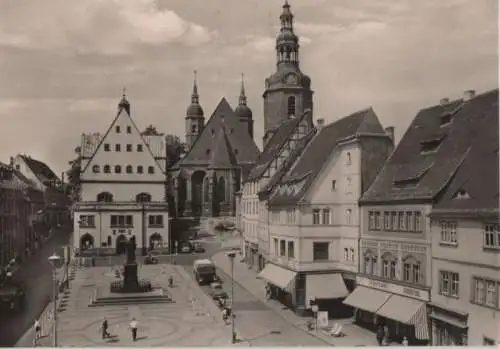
<point x="430" y="152"/>
<point x="123" y="109"/>
<point x="234" y="134"/>
<point x="40" y="169"/>
<point x="319" y="149"/>
<point x="55" y="198"/>
<point x="475" y="186"/>
<point x="283" y="132"/>
<point x="289" y="162"/>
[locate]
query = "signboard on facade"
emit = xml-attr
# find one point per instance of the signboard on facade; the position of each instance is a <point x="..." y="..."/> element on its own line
<point x="393" y="288"/>
<point x="322" y="319"/>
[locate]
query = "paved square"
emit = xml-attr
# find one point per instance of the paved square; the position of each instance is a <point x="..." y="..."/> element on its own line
<point x="193" y="320"/>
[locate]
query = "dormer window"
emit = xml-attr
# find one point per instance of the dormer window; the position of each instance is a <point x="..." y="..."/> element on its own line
<point x="431" y="145"/>
<point x="445" y="119"/>
<point x="461" y="195"/>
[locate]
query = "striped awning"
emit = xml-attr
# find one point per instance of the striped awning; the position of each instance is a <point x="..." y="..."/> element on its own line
<point x="368" y="299"/>
<point x="325" y="286"/>
<point x="277" y="276"/>
<point x="408" y="311"/>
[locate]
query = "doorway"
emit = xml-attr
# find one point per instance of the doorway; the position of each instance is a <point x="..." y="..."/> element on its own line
<point x="121" y="244"/>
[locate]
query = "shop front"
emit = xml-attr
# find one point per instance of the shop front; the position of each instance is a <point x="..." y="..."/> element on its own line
<point x="328" y="291"/>
<point x="449" y="327"/>
<point x="281" y="283"/>
<point x="402" y="309"/>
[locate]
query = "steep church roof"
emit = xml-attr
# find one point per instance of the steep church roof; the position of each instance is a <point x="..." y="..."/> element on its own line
<point x="223" y="142"/>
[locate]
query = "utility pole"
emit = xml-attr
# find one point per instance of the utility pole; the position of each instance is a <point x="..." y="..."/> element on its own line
<point x="231" y="256"/>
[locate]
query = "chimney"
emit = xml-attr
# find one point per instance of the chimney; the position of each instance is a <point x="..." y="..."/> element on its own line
<point x="469" y="94"/>
<point x="444" y="101"/>
<point x="390" y="132"/>
<point x="11" y="163"/>
<point x="321" y="123"/>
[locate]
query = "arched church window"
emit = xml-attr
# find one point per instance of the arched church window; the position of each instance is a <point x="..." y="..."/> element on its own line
<point x="105" y="197"/>
<point x="291" y="105"/>
<point x="206" y="196"/>
<point x="95" y="169"/>
<point x="143" y="197"/>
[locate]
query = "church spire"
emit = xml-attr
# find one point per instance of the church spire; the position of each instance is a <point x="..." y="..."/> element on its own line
<point x="243" y="97"/>
<point x="287" y="43"/>
<point x="194" y="96"/>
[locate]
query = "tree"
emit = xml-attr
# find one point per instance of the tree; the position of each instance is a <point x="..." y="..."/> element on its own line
<point x="175" y="149"/>
<point x="73" y="174"/>
<point x="151" y="131"/>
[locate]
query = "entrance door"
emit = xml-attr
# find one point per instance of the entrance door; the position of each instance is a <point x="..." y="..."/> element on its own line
<point x="121" y="244"/>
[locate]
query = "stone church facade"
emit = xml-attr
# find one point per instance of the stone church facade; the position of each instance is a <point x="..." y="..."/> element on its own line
<point x="221" y="151"/>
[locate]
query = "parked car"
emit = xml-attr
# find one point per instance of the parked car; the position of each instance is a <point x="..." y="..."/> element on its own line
<point x="217" y="292"/>
<point x="185" y="247"/>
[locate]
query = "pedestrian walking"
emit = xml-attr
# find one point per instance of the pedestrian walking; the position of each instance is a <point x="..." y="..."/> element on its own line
<point x="104" y="329"/>
<point x="380" y="335"/>
<point x="38" y="331"/>
<point x="133" y="328"/>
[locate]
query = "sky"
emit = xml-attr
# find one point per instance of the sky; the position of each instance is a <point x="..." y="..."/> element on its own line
<point x="64" y="64"/>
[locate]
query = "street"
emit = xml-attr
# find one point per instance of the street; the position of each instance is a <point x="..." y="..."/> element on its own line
<point x="256" y="324"/>
<point x="37" y="276"/>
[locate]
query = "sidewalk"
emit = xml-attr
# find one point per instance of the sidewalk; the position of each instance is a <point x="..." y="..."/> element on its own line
<point x="247" y="278"/>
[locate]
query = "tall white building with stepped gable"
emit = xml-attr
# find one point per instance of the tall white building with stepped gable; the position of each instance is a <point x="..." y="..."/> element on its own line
<point x="123" y="188"/>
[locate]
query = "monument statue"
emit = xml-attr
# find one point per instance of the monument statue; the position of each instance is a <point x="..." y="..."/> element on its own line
<point x="131" y="247"/>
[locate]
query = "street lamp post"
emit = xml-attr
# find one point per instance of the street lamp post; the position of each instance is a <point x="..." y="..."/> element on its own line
<point x="231" y="256"/>
<point x="54" y="259"/>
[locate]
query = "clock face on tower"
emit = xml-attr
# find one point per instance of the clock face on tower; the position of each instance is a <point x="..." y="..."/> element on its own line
<point x="291" y="79"/>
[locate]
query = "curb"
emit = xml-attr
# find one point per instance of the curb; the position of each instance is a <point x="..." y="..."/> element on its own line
<point x="272" y="309"/>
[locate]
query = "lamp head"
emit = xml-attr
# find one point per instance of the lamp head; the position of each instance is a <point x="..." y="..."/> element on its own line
<point x="231" y="254"/>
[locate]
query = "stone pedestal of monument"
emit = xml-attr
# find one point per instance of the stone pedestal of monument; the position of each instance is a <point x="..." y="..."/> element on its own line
<point x="130" y="276"/>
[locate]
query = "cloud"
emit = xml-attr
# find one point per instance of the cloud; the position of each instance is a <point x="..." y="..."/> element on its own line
<point x="98" y="26"/>
<point x="316" y="29"/>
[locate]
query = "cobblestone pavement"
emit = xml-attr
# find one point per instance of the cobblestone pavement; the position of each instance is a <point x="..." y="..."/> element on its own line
<point x="191" y="321"/>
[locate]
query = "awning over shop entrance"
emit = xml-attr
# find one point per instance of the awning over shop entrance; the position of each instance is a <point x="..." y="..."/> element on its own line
<point x="368" y="299"/>
<point x="408" y="311"/>
<point x="277" y="276"/>
<point x="325" y="286"/>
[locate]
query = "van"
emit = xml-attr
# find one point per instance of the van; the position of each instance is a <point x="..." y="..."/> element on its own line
<point x="204" y="271"/>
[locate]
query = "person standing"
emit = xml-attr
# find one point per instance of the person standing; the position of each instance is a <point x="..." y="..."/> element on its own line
<point x="105" y="326"/>
<point x="380" y="335"/>
<point x="38" y="330"/>
<point x="133" y="328"/>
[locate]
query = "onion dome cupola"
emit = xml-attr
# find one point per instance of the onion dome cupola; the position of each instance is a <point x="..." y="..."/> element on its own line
<point x="124" y="103"/>
<point x="195" y="109"/>
<point x="243" y="112"/>
<point x="195" y="121"/>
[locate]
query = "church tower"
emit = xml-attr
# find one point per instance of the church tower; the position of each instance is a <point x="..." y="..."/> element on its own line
<point x="243" y="112"/>
<point x="288" y="91"/>
<point x="195" y="121"/>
